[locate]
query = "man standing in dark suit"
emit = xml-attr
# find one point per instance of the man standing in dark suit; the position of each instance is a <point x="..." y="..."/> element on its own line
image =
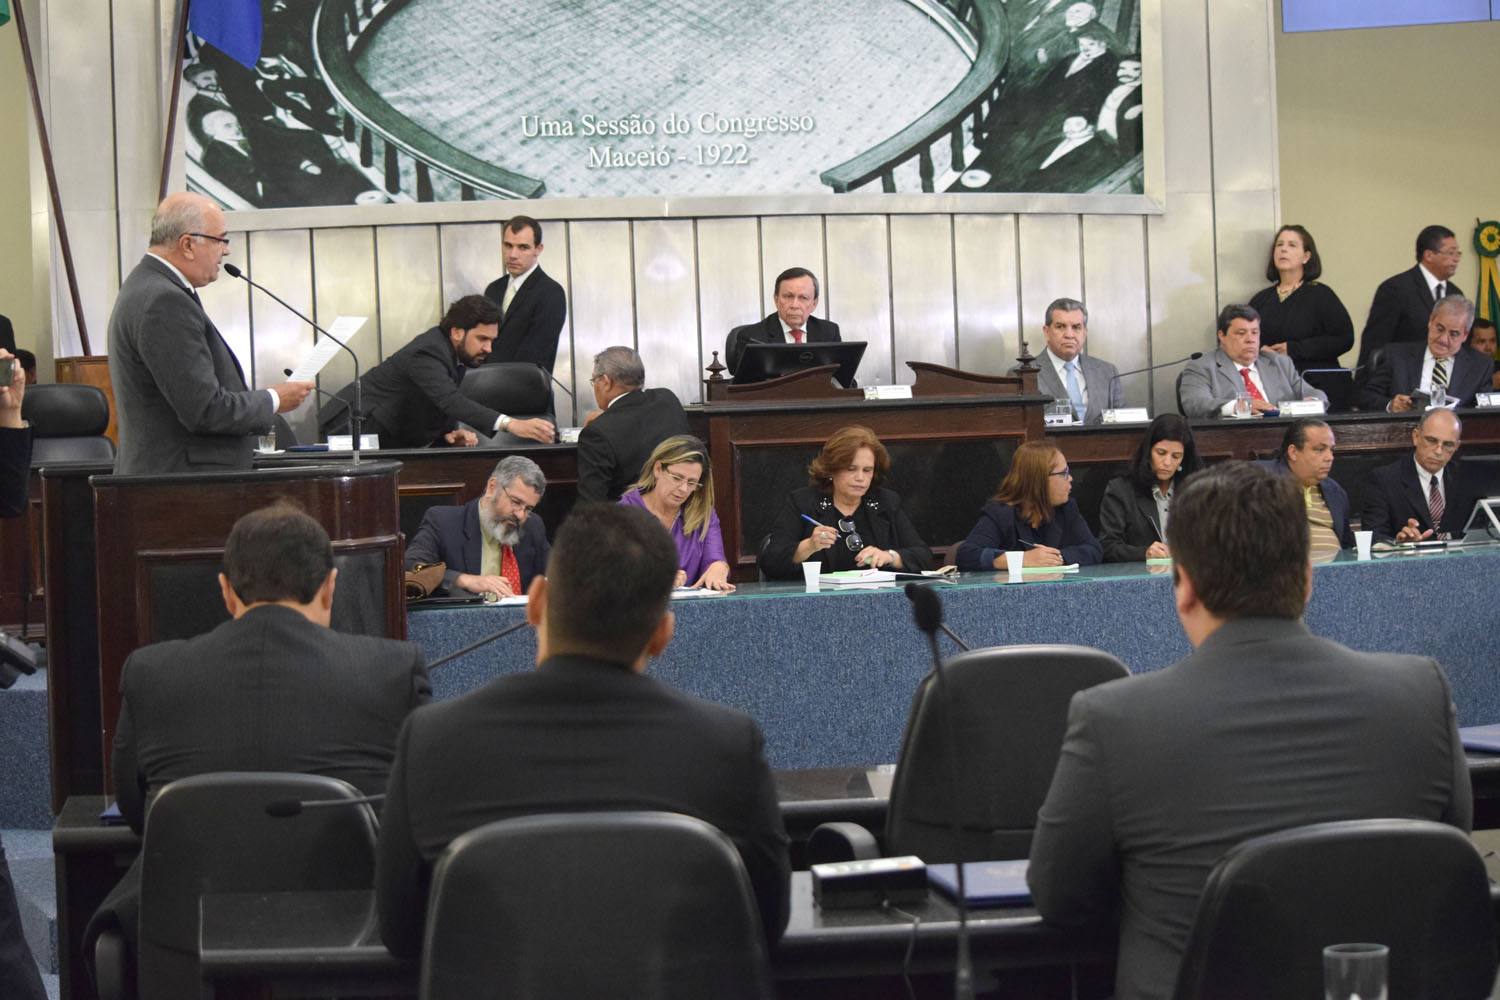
<point x="1066" y="373"/>
<point x="1262" y="728"/>
<point x="1421" y="496"/>
<point x="494" y="544"/>
<point x="179" y="391"/>
<point x="1402" y="303"/>
<point x="1442" y="366"/>
<point x="273" y="689"/>
<point x="586" y="730"/>
<point x="412" y="398"/>
<point x="793" y="321"/>
<point x="532" y="304"/>
<point x="630" y="423"/>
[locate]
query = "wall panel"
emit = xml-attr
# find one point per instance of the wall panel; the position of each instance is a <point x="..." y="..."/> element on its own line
<point x="344" y="284"/>
<point x="922" y="293"/>
<point x="984" y="278"/>
<point x="1115" y="291"/>
<point x="857" y="290"/>
<point x="1051" y="268"/>
<point x="730" y="289"/>
<point x="472" y="258"/>
<point x="666" y="282"/>
<point x="603" y="303"/>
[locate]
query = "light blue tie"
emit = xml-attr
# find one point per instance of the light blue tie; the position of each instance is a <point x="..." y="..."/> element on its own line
<point x="1070" y="371"/>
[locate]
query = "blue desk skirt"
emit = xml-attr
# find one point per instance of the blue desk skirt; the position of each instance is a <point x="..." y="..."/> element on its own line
<point x="829" y="676"/>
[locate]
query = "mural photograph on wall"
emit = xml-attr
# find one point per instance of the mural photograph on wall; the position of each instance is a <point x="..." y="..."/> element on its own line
<point x="335" y="102"/>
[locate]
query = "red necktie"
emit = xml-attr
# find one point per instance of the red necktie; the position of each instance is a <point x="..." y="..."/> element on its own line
<point x="510" y="570"/>
<point x="797" y="336"/>
<point x="1250" y="385"/>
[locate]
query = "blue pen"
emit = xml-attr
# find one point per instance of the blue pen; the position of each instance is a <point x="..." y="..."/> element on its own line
<point x="811" y="521"/>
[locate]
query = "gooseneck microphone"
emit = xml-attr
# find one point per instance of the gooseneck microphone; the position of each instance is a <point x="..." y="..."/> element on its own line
<point x="927" y="608"/>
<point x="286" y="808"/>
<point x="354" y="414"/>
<point x="1151" y="368"/>
<point x="482" y="642"/>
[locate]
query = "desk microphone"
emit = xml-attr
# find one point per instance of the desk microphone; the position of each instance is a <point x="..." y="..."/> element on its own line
<point x="1150" y="368"/>
<point x="286" y="808"/>
<point x="354" y="414"/>
<point x="927" y="608"/>
<point x="482" y="642"/>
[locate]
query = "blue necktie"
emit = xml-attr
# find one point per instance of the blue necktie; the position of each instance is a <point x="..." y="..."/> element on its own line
<point x="1070" y="370"/>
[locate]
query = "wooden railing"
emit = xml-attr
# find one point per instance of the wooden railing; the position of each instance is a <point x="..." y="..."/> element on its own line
<point x="955" y="119"/>
<point x="414" y="161"/>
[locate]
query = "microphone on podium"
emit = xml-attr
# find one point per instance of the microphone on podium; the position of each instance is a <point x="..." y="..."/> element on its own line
<point x="354" y="414"/>
<point x="286" y="808"/>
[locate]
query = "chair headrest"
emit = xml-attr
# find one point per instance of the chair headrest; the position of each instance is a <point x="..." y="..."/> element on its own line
<point x="66" y="409"/>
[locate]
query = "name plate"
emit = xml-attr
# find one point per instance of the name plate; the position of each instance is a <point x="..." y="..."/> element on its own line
<point x="1487" y="399"/>
<point x="1127" y="415"/>
<point x="1301" y="407"/>
<point x="1057" y="419"/>
<point x="345" y="442"/>
<point x="888" y="392"/>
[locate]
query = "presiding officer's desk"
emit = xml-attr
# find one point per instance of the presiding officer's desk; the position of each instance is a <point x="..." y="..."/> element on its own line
<point x="829" y="676"/>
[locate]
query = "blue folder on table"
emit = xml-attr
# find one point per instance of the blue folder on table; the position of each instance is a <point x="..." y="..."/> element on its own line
<point x="986" y="883"/>
<point x="1483" y="738"/>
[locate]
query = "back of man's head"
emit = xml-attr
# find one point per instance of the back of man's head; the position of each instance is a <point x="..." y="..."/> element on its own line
<point x="622" y="364"/>
<point x="277" y="553"/>
<point x="1240" y="534"/>
<point x="609" y="581"/>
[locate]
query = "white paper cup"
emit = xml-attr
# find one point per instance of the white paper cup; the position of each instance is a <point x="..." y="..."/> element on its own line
<point x="1362" y="541"/>
<point x="1014" y="561"/>
<point x="810" y="571"/>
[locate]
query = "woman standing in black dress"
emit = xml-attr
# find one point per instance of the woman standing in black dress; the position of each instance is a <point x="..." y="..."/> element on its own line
<point x="1299" y="316"/>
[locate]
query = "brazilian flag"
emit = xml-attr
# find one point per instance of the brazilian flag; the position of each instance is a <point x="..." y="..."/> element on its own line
<point x="4" y="11"/>
<point x="1487" y="245"/>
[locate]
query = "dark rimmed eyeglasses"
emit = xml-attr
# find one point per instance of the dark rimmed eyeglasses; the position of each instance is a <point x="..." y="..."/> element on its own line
<point x="217" y="239"/>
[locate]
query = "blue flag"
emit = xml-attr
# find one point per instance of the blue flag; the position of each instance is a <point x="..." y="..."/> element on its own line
<point x="231" y="26"/>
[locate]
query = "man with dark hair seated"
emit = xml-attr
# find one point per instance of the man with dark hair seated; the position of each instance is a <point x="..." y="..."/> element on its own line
<point x="273" y="689"/>
<point x="1307" y="457"/>
<point x="1263" y="728"/>
<point x="586" y="730"/>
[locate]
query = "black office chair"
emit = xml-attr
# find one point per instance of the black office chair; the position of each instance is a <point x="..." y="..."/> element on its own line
<point x="1273" y="903"/>
<point x="1177" y="389"/>
<point x="1007" y="709"/>
<point x="68" y="421"/>
<point x="514" y="388"/>
<point x="211" y="833"/>
<point x="616" y="904"/>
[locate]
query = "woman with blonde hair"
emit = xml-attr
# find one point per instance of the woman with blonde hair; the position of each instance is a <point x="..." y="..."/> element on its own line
<point x="1033" y="511"/>
<point x="677" y="485"/>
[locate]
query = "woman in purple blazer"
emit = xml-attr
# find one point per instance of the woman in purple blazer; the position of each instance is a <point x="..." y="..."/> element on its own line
<point x="677" y="485"/>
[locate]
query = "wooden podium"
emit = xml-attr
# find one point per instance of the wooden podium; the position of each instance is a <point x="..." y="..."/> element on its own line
<point x="757" y="434"/>
<point x="159" y="543"/>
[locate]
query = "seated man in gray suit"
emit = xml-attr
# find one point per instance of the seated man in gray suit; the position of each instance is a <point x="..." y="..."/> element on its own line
<point x="1210" y="386"/>
<point x="1264" y="727"/>
<point x="1066" y="327"/>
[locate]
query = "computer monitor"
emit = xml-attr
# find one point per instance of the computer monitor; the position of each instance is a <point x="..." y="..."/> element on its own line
<point x="766" y="361"/>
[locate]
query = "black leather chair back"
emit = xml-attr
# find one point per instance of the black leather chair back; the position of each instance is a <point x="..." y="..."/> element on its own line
<point x="621" y="905"/>
<point x="210" y="833"/>
<point x="68" y="420"/>
<point x="1007" y="710"/>
<point x="513" y="387"/>
<point x="1273" y="903"/>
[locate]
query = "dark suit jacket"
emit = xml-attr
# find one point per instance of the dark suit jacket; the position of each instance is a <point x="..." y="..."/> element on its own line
<point x="530" y="330"/>
<point x="411" y="398"/>
<point x="1333" y="495"/>
<point x="889" y="528"/>
<point x="1397" y="495"/>
<point x="15" y="470"/>
<point x="573" y="735"/>
<point x="452" y="535"/>
<point x="1128" y="523"/>
<point x="7" y="334"/>
<point x="180" y="396"/>
<point x="615" y="444"/>
<point x="768" y="331"/>
<point x="268" y="691"/>
<point x="1400" y="371"/>
<point x="1001" y="529"/>
<point x="1399" y="311"/>
<point x="1264" y="727"/>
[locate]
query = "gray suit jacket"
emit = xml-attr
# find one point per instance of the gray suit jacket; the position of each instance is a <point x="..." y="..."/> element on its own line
<point x="1214" y="379"/>
<point x="180" y="395"/>
<point x="1263" y="728"/>
<point x="1098" y="381"/>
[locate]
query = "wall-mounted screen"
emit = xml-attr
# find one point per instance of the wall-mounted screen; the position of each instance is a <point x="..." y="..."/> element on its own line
<point x="1326" y="15"/>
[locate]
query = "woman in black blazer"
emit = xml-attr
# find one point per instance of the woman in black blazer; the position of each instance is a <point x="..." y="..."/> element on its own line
<point x="1131" y="527"/>
<point x="845" y="519"/>
<point x="1300" y="317"/>
<point x="1032" y="511"/>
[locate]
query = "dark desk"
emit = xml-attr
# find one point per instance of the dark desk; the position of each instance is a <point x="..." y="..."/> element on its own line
<point x="309" y="944"/>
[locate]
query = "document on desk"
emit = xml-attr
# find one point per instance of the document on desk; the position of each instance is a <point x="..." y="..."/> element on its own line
<point x="343" y="328"/>
<point x="1483" y="738"/>
<point x="986" y="883"/>
<point x="690" y="593"/>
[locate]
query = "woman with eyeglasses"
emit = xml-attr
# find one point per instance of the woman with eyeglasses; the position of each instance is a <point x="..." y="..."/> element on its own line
<point x="677" y="485"/>
<point x="844" y="518"/>
<point x="1133" y="514"/>
<point x="1032" y="512"/>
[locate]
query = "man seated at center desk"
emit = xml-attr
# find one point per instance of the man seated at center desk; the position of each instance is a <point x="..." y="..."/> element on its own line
<point x="793" y="322"/>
